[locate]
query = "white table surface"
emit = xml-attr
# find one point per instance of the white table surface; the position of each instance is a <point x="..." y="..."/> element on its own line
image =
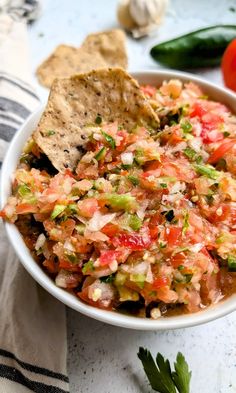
<point x="102" y="358"/>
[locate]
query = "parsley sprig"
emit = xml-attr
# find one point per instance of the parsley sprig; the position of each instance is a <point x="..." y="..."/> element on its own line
<point x="161" y="377"/>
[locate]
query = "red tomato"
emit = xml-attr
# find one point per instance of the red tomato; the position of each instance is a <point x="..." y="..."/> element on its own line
<point x="50" y="265"/>
<point x="228" y="65"/>
<point x="107" y="257"/>
<point x="160" y="282"/>
<point x="110" y="229"/>
<point x="88" y="207"/>
<point x="221" y="150"/>
<point x="25" y="208"/>
<point x="133" y="241"/>
<point x="210" y="122"/>
<point x="67" y="265"/>
<point x="178" y="259"/>
<point x="210" y="136"/>
<point x="153" y="225"/>
<point x="173" y="235"/>
<point x="198" y="110"/>
<point x="214" y="217"/>
<point x="148" y="90"/>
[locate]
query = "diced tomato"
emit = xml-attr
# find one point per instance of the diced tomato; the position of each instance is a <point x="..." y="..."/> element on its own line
<point x="24" y="208"/>
<point x="160" y="282"/>
<point x="210" y="122"/>
<point x="153" y="225"/>
<point x="178" y="259"/>
<point x="148" y="90"/>
<point x="221" y="150"/>
<point x="69" y="173"/>
<point x="110" y="229"/>
<point x="122" y="134"/>
<point x="210" y="136"/>
<point x="87" y="207"/>
<point x="225" y="213"/>
<point x="198" y="110"/>
<point x="67" y="265"/>
<point x="50" y="265"/>
<point x="107" y="257"/>
<point x="173" y="235"/>
<point x="133" y="241"/>
<point x="228" y="65"/>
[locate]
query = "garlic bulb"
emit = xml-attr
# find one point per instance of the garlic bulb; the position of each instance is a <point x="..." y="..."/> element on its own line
<point x="141" y="17"/>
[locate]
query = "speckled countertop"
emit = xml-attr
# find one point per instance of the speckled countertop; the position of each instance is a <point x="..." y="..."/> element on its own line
<point x="102" y="358"/>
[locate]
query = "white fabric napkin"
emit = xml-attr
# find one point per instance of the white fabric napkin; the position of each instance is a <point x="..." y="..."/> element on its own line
<point x="33" y="342"/>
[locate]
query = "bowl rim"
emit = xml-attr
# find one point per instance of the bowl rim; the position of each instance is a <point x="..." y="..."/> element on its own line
<point x="111" y="317"/>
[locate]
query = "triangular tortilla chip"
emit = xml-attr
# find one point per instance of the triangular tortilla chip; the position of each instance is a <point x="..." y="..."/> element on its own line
<point x="76" y="102"/>
<point x="101" y="50"/>
<point x="111" y="46"/>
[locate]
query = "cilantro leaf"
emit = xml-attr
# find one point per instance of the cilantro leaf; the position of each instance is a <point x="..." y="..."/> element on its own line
<point x="182" y="375"/>
<point x="165" y="374"/>
<point x="160" y="376"/>
<point x="152" y="371"/>
<point x="110" y="140"/>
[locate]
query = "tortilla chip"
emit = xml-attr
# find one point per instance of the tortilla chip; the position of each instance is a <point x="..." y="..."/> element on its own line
<point x="101" y="50"/>
<point x="75" y="103"/>
<point x="111" y="46"/>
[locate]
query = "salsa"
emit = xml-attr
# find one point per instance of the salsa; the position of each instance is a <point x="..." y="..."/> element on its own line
<point x="146" y="223"/>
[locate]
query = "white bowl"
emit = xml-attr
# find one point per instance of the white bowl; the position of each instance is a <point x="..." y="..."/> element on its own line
<point x="111" y="317"/>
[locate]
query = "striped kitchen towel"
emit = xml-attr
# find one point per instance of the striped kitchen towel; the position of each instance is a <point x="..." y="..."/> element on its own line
<point x="33" y="341"/>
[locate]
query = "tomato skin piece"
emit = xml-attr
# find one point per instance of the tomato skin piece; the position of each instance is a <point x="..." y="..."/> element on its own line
<point x="228" y="65"/>
<point x="221" y="150"/>
<point x="25" y="208"/>
<point x="173" y="235"/>
<point x="178" y="260"/>
<point x="160" y="282"/>
<point x="132" y="241"/>
<point x="153" y="225"/>
<point x="110" y="229"/>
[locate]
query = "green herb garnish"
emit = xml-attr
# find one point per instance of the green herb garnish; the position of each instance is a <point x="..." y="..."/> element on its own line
<point x="100" y="154"/>
<point x="163" y="185"/>
<point x="98" y="119"/>
<point x="190" y="153"/>
<point x="108" y="279"/>
<point x="226" y="133"/>
<point x="110" y="140"/>
<point x="186" y="127"/>
<point x="231" y="263"/>
<point x="134" y="180"/>
<point x="161" y="377"/>
<point x="188" y="277"/>
<point x="72" y="258"/>
<point x="51" y="132"/>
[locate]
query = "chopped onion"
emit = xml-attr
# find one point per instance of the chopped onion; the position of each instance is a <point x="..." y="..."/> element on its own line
<point x="40" y="241"/>
<point x="95" y="236"/>
<point x="69" y="246"/>
<point x="149" y="276"/>
<point x="99" y="220"/>
<point x="127" y="158"/>
<point x="196" y="247"/>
